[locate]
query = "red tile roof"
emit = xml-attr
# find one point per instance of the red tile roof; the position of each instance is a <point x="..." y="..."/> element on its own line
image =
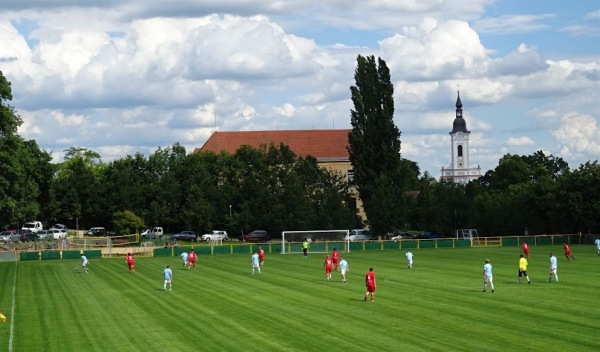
<point x="322" y="144"/>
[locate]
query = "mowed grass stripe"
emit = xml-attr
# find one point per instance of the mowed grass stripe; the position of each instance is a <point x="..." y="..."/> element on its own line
<point x="221" y="307"/>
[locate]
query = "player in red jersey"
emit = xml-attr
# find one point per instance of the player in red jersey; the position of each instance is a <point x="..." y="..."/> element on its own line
<point x="130" y="262"/>
<point x="371" y="284"/>
<point x="192" y="258"/>
<point x="568" y="252"/>
<point x="525" y="249"/>
<point x="335" y="256"/>
<point x="261" y="255"/>
<point x="328" y="265"/>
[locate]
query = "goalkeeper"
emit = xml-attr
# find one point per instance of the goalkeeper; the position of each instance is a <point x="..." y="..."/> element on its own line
<point x="305" y="247"/>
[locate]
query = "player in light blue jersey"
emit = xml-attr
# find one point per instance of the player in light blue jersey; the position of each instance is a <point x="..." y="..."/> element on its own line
<point x="344" y="268"/>
<point x="184" y="258"/>
<point x="597" y="242"/>
<point x="84" y="263"/>
<point x="409" y="258"/>
<point x="255" y="262"/>
<point x="487" y="276"/>
<point x="168" y="275"/>
<point x="553" y="268"/>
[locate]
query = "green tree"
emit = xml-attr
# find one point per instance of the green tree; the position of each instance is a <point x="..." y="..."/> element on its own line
<point x="126" y="222"/>
<point x="25" y="172"/>
<point x="374" y="144"/>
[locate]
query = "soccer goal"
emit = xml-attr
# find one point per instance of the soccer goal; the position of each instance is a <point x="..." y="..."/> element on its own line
<point x="216" y="241"/>
<point x="320" y="241"/>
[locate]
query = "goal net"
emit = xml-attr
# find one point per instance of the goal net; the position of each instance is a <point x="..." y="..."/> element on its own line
<point x="216" y="241"/>
<point x="320" y="241"/>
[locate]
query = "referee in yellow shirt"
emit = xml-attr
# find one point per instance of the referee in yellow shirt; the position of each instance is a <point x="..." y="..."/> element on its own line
<point x="523" y="269"/>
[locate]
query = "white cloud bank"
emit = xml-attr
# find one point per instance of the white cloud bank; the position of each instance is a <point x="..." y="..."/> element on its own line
<point x="122" y="79"/>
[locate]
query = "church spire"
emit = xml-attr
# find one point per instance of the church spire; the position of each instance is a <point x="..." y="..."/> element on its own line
<point x="459" y="125"/>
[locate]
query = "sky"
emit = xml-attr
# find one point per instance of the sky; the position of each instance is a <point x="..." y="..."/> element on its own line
<point x="125" y="77"/>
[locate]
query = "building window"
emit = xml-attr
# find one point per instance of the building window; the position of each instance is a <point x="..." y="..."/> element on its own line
<point x="460" y="153"/>
<point x="351" y="177"/>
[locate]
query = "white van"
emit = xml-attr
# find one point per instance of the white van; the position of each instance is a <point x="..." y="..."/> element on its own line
<point x="358" y="235"/>
<point x="34" y="226"/>
<point x="155" y="232"/>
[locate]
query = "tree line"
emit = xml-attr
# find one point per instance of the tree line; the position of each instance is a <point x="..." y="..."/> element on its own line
<point x="273" y="189"/>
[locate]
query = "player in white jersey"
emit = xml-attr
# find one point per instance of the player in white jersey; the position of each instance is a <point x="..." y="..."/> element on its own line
<point x="597" y="242"/>
<point x="409" y="258"/>
<point x="487" y="276"/>
<point x="553" y="268"/>
<point x="84" y="263"/>
<point x="255" y="262"/>
<point x="344" y="268"/>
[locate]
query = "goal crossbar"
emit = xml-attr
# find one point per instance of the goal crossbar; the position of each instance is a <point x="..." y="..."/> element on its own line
<point x="285" y="238"/>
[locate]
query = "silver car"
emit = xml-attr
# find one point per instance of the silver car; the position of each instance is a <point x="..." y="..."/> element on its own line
<point x="9" y="236"/>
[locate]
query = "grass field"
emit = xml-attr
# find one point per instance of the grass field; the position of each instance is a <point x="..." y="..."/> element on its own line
<point x="437" y="306"/>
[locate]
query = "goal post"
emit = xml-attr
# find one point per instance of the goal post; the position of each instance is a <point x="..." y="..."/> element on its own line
<point x="320" y="241"/>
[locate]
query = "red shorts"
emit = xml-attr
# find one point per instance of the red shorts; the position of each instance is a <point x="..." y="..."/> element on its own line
<point x="328" y="270"/>
<point x="370" y="287"/>
<point x="192" y="261"/>
<point x="261" y="257"/>
<point x="568" y="252"/>
<point x="335" y="260"/>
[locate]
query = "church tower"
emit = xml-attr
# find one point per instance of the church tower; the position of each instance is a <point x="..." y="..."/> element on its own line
<point x="460" y="170"/>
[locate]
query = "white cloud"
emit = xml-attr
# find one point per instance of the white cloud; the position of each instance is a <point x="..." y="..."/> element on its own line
<point x="512" y="24"/>
<point x="582" y="30"/>
<point x="580" y="134"/>
<point x="593" y="14"/>
<point x="286" y="110"/>
<point x="523" y="61"/>
<point x="67" y="120"/>
<point x="520" y="141"/>
<point x="435" y="50"/>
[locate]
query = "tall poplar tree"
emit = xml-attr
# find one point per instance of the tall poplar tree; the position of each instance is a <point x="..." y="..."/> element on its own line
<point x="374" y="144"/>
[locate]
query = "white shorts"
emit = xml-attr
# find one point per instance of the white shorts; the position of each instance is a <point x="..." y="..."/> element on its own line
<point x="489" y="279"/>
<point x="343" y="271"/>
<point x="553" y="270"/>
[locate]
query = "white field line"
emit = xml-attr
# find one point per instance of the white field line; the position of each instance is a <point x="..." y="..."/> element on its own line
<point x="12" y="310"/>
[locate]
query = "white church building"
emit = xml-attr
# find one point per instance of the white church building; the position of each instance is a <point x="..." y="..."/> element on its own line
<point x="461" y="170"/>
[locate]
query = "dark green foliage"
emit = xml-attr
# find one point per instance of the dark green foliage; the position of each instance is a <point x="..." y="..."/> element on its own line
<point x="25" y="170"/>
<point x="374" y="145"/>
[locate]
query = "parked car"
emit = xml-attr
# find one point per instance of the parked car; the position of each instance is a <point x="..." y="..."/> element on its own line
<point x="216" y="235"/>
<point x="155" y="232"/>
<point x="34" y="226"/>
<point x="427" y="236"/>
<point x="9" y="236"/>
<point x="59" y="227"/>
<point x="99" y="232"/>
<point x="185" y="236"/>
<point x="400" y="235"/>
<point x="58" y="234"/>
<point x="43" y="234"/>
<point x="256" y="236"/>
<point x="358" y="235"/>
<point x="26" y="235"/>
